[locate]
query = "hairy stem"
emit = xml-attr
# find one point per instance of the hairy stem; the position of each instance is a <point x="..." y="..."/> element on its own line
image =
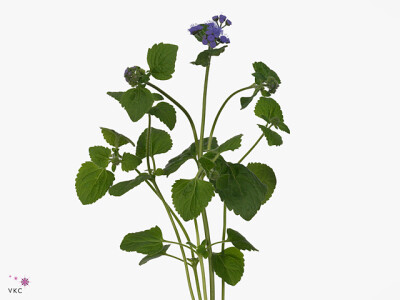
<point x="220" y="110"/>
<point x="251" y="149"/>
<point x="177" y="237"/>
<point x="180" y="259"/>
<point x="148" y="145"/>
<point x="183" y="245"/>
<point x="203" y="273"/>
<point x="196" y="140"/>
<point x="204" y="214"/>
<point x="223" y="248"/>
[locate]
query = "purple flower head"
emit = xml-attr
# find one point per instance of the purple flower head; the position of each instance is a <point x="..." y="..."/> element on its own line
<point x="195" y="28"/>
<point x="211" y="33"/>
<point x="223" y="39"/>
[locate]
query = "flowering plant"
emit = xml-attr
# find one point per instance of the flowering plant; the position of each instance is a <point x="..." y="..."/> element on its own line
<point x="242" y="189"/>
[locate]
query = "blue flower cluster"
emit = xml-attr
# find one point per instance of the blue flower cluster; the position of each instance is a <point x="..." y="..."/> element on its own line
<point x="211" y="33"/>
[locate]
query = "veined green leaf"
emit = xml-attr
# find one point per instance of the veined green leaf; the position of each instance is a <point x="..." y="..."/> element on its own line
<point x="203" y="59"/>
<point x="114" y="138"/>
<point x="266" y="176"/>
<point x="137" y="102"/>
<point x="130" y="162"/>
<point x="231" y="144"/>
<point x="239" y="241"/>
<point x="160" y="142"/>
<point x="239" y="188"/>
<point x="190" y="197"/>
<point x="206" y="163"/>
<point x="269" y="110"/>
<point x="190" y="153"/>
<point x="165" y="113"/>
<point x="273" y="138"/>
<point x="158" y="254"/>
<point x="125" y="186"/>
<point x="116" y="95"/>
<point x="100" y="155"/>
<point x="265" y="75"/>
<point x="229" y="265"/>
<point x="157" y="97"/>
<point x="92" y="182"/>
<point x="145" y="242"/>
<point x="161" y="59"/>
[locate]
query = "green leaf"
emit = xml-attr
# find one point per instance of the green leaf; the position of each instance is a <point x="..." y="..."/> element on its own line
<point x="231" y="144"/>
<point x="269" y="110"/>
<point x="273" y="138"/>
<point x="149" y="257"/>
<point x="190" y="153"/>
<point x="114" y="138"/>
<point x="239" y="188"/>
<point x="206" y="163"/>
<point x="92" y="182"/>
<point x="190" y="197"/>
<point x="245" y="101"/>
<point x="160" y="142"/>
<point x="203" y="59"/>
<point x="125" y="186"/>
<point x="265" y="93"/>
<point x="145" y="242"/>
<point x="239" y="241"/>
<point x="116" y="95"/>
<point x="100" y="155"/>
<point x="161" y="59"/>
<point x="202" y="249"/>
<point x="157" y="97"/>
<point x="166" y="113"/>
<point x="264" y="75"/>
<point x="282" y="126"/>
<point x="229" y="265"/>
<point x="266" y="176"/>
<point x="130" y="162"/>
<point x="137" y="101"/>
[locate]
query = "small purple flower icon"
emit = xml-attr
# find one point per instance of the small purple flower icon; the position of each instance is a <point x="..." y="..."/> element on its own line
<point x="25" y="281"/>
<point x="16" y="278"/>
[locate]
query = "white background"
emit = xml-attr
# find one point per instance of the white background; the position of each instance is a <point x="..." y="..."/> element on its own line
<point x="331" y="230"/>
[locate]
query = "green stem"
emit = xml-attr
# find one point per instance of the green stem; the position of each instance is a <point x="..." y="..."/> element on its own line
<point x="166" y="254"/>
<point x="168" y="210"/>
<point x="196" y="278"/>
<point x="210" y="265"/>
<point x="220" y="242"/>
<point x="223" y="248"/>
<point x="183" y="245"/>
<point x="203" y="273"/>
<point x="203" y="112"/>
<point x="180" y="107"/>
<point x="204" y="214"/>
<point x="220" y="110"/>
<point x="251" y="149"/>
<point x="177" y="237"/>
<point x="148" y="145"/>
